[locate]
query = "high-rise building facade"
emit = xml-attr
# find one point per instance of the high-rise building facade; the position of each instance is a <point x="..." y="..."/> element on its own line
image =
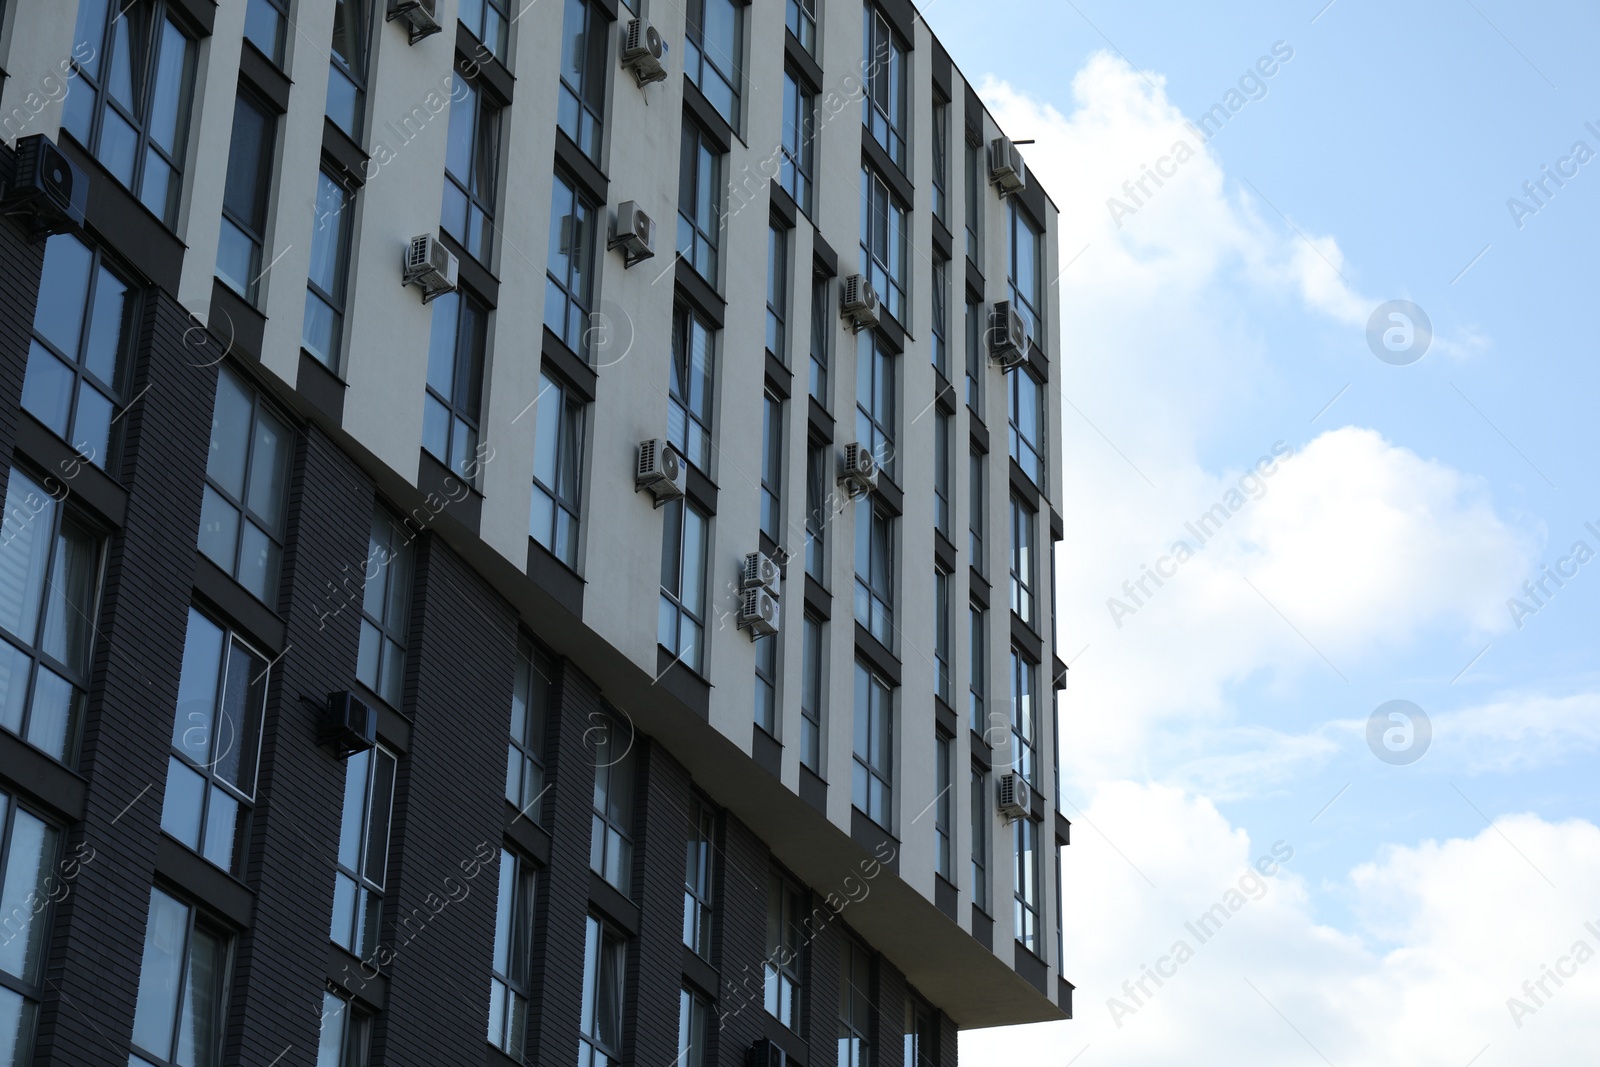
<point x="482" y="576"/>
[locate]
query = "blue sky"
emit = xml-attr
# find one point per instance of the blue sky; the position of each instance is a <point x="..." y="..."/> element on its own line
<point x="1222" y="317"/>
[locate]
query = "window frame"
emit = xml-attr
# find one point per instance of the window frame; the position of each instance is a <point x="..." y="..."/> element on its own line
<point x="975" y="357"/>
<point x="389" y="540"/>
<point x="978" y="804"/>
<point x="886" y="99"/>
<point x="672" y="598"/>
<point x="697" y="58"/>
<point x="943" y="640"/>
<point x="767" y="709"/>
<point x="195" y="920"/>
<point x="475" y="193"/>
<point x="611" y="810"/>
<point x="939" y="327"/>
<point x="342" y="249"/>
<point x="530" y="706"/>
<point x="856" y="1006"/>
<point x="253" y="230"/>
<point x="27" y="917"/>
<point x="885" y="242"/>
<point x="943" y="826"/>
<point x="699" y="880"/>
<point x="1028" y="451"/>
<point x="515" y="946"/>
<point x="800" y="18"/>
<point x="819" y="461"/>
<point x="582" y="107"/>
<point x="462" y="410"/>
<point x="821" y="337"/>
<point x="813" y="691"/>
<point x="878" y="399"/>
<point x="694" y="1011"/>
<point x="784" y="966"/>
<point x="277" y="8"/>
<point x="1031" y="305"/>
<point x="1024" y="562"/>
<point x="778" y="291"/>
<point x="701" y="166"/>
<point x="500" y="46"/>
<point x="978" y="668"/>
<point x="366" y="905"/>
<point x="691" y="389"/>
<point x="939" y="182"/>
<point x="875" y="591"/>
<point x="799" y="159"/>
<point x="355" y="1033"/>
<point x="873" y="770"/>
<point x="1028" y="890"/>
<point x="575" y="292"/>
<point x="570" y="409"/>
<point x="1025" y="718"/>
<point x="245" y="516"/>
<point x="341" y="67"/>
<point x="974" y="197"/>
<point x="600" y="939"/>
<point x="943" y="480"/>
<point x="977" y="510"/>
<point x="772" y="441"/>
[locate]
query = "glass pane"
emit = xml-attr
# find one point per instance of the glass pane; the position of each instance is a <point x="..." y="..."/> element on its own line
<point x="14" y="667"/>
<point x="199" y="1029"/>
<point x="320" y="333"/>
<point x="355" y="799"/>
<point x="197" y="688"/>
<point x="91" y="431"/>
<point x="230" y="435"/>
<point x="344" y="912"/>
<point x="57" y="705"/>
<point x="23" y="898"/>
<point x="269" y="470"/>
<point x="331" y="1042"/>
<point x="158" y="191"/>
<point x="70" y="601"/>
<point x="394" y="665"/>
<point x="160" y="974"/>
<point x="63" y="291"/>
<point x="222" y="829"/>
<point x="239" y="719"/>
<point x="258" y="563"/>
<point x="367" y="655"/>
<point x="183" y="803"/>
<point x="327" y="236"/>
<point x="24" y="548"/>
<point x="378" y="818"/>
<point x="169" y="103"/>
<point x="219" y="529"/>
<point x="47" y="389"/>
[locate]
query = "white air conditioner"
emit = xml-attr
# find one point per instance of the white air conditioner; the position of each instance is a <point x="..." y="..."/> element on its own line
<point x="758" y="612"/>
<point x="1006" y="168"/>
<point x="661" y="470"/>
<point x="1016" y="797"/>
<point x="421" y="17"/>
<point x="860" y="473"/>
<point x="643" y="50"/>
<point x="635" y="234"/>
<point x="1008" y="336"/>
<point x="430" y="266"/>
<point x="860" y="303"/>
<point x="760" y="572"/>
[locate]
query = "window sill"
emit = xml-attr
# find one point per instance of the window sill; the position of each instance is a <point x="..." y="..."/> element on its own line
<point x="357" y="977"/>
<point x="683" y="682"/>
<point x="212" y="888"/>
<point x="239" y="607"/>
<point x="61" y="463"/>
<point x="43" y="779"/>
<point x="874" y="839"/>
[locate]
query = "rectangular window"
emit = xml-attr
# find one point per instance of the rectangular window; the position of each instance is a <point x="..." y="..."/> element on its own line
<point x="772" y="468"/>
<point x="363" y="868"/>
<point x="512" y="983"/>
<point x="818" y="457"/>
<point x="385" y="609"/>
<point x="580" y="111"/>
<point x="713" y="44"/>
<point x="943" y="804"/>
<point x="980" y="839"/>
<point x="975" y="356"/>
<point x="605" y="959"/>
<point x="454" y="395"/>
<point x="811" y="694"/>
<point x="1025" y="837"/>
<point x="697" y="881"/>
<point x="569" y="282"/>
<point x="346" y="1033"/>
<point x="801" y="18"/>
<point x="611" y="837"/>
<point x="941" y="636"/>
<point x="1023" y="521"/>
<point x="530" y="711"/>
<point x="183" y="977"/>
<point x="785" y="975"/>
<point x="28" y="847"/>
<point x="1026" y="273"/>
<point x="682" y="620"/>
<point x="799" y="139"/>
<point x="974" y="190"/>
<point x="246" y="191"/>
<point x="943" y="491"/>
<point x="821" y="331"/>
<point x="976" y="511"/>
<point x="347" y="76"/>
<point x="81" y="355"/>
<point x="941" y="160"/>
<point x="886" y="104"/>
<point x="322" y="333"/>
<point x="693" y="1045"/>
<point x="557" y="469"/>
<point x="489" y="23"/>
<point x="471" y="169"/>
<point x="872" y="784"/>
<point x="1024" y="719"/>
<point x="921" y="1048"/>
<point x="875" y="398"/>
<point x="689" y="392"/>
<point x="767" y="684"/>
<point x="245" y="513"/>
<point x="50" y="573"/>
<point x="699" y="202"/>
<point x="264" y="22"/>
<point x="1026" y="415"/>
<point x="855" y="1005"/>
<point x="885" y="233"/>
<point x="875" y="571"/>
<point x="977" y="626"/>
<point x="941" y="317"/>
<point x="216" y="744"/>
<point x="777" y="291"/>
<point x="129" y="101"/>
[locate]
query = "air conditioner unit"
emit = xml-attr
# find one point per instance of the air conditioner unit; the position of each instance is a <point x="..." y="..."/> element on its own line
<point x="643" y="50"/>
<point x="661" y="470"/>
<point x="421" y="17"/>
<point x="761" y="571"/>
<point x="349" y="725"/>
<point x="860" y="303"/>
<point x="1006" y="168"/>
<point x="430" y="266"/>
<point x="1008" y="336"/>
<point x="765" y="1054"/>
<point x="860" y="473"/>
<point x="1016" y="797"/>
<point x="635" y="234"/>
<point x="46" y="185"/>
<point x="758" y="612"/>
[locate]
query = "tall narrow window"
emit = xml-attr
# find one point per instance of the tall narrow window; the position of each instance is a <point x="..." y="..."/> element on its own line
<point x="346" y="1033"/>
<point x="799" y="140"/>
<point x="689" y="392"/>
<point x="489" y="23"/>
<point x="941" y="160"/>
<point x="178" y="1021"/>
<point x="216" y="743"/>
<point x="605" y="957"/>
<point x="471" y="170"/>
<point x="530" y="711"/>
<point x="580" y="111"/>
<point x="818" y="460"/>
<point x="872" y="783"/>
<point x="28" y="847"/>
<point x="812" y="695"/>
<point x="347" y="76"/>
<point x="699" y="859"/>
<point x="81" y="355"/>
<point x="772" y="468"/>
<point x="974" y="190"/>
<point x="977" y="623"/>
<point x="699" y="202"/>
<point x="767" y="684"/>
<point x="975" y="363"/>
<point x="1025" y="836"/>
<point x="363" y="851"/>
<point x="245" y="513"/>
<point x="557" y="469"/>
<point x="611" y="837"/>
<point x="454" y="395"/>
<point x="385" y="609"/>
<point x="801" y="17"/>
<point x="886" y="104"/>
<point x="1024" y="719"/>
<point x="875" y="398"/>
<point x="713" y="45"/>
<point x="785" y="974"/>
<point x="884" y="242"/>
<point x="941" y="317"/>
<point x="264" y="22"/>
<point x="682" y="620"/>
<point x="512" y="983"/>
<point x="855" y="1005"/>
<point x="1023" y="521"/>
<point x="245" y="195"/>
<point x="129" y="101"/>
<point x="821" y="331"/>
<point x="875" y="571"/>
<point x="777" y="291"/>
<point x="693" y="1046"/>
<point x="976" y="510"/>
<point x="1026" y="273"/>
<point x="943" y="805"/>
<point x="50" y="568"/>
<point x="569" y="285"/>
<point x="979" y="836"/>
<point x="1025" y="413"/>
<point x="941" y="636"/>
<point x="943" y="491"/>
<point x="322" y="334"/>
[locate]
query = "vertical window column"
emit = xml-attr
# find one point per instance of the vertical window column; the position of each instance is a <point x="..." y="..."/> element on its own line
<point x="363" y="866"/>
<point x="178" y="1020"/>
<point x="247" y="190"/>
<point x="872" y="781"/>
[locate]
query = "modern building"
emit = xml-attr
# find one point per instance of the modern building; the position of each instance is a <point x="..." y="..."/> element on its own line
<point x="371" y="691"/>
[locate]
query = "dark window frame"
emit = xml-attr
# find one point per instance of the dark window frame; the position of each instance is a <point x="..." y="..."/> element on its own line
<point x="885" y="242"/>
<point x="575" y="292"/>
<point x="353" y="74"/>
<point x="329" y="190"/>
<point x="673" y="597"/>
<point x="531" y="693"/>
<point x="463" y="409"/>
<point x="697" y="59"/>
<point x="886" y="100"/>
<point x="391" y="564"/>
<point x="699" y="880"/>
<point x="244" y="515"/>
<point x="197" y="920"/>
<point x="564" y="502"/>
<point x="873" y="771"/>
<point x="799" y="146"/>
<point x="813" y="691"/>
<point x="379" y="768"/>
<point x="602" y="940"/>
<point x="35" y="925"/>
<point x="784" y="966"/>
<point x="701" y="167"/>
<point x="691" y="390"/>
<point x="580" y="108"/>
<point x="877" y="398"/>
<point x="474" y="196"/>
<point x="611" y="807"/>
<point x="875" y="591"/>
<point x="253" y="230"/>
<point x="511" y="972"/>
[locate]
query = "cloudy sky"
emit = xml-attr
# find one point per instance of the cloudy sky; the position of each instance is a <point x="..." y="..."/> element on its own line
<point x="1216" y="326"/>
